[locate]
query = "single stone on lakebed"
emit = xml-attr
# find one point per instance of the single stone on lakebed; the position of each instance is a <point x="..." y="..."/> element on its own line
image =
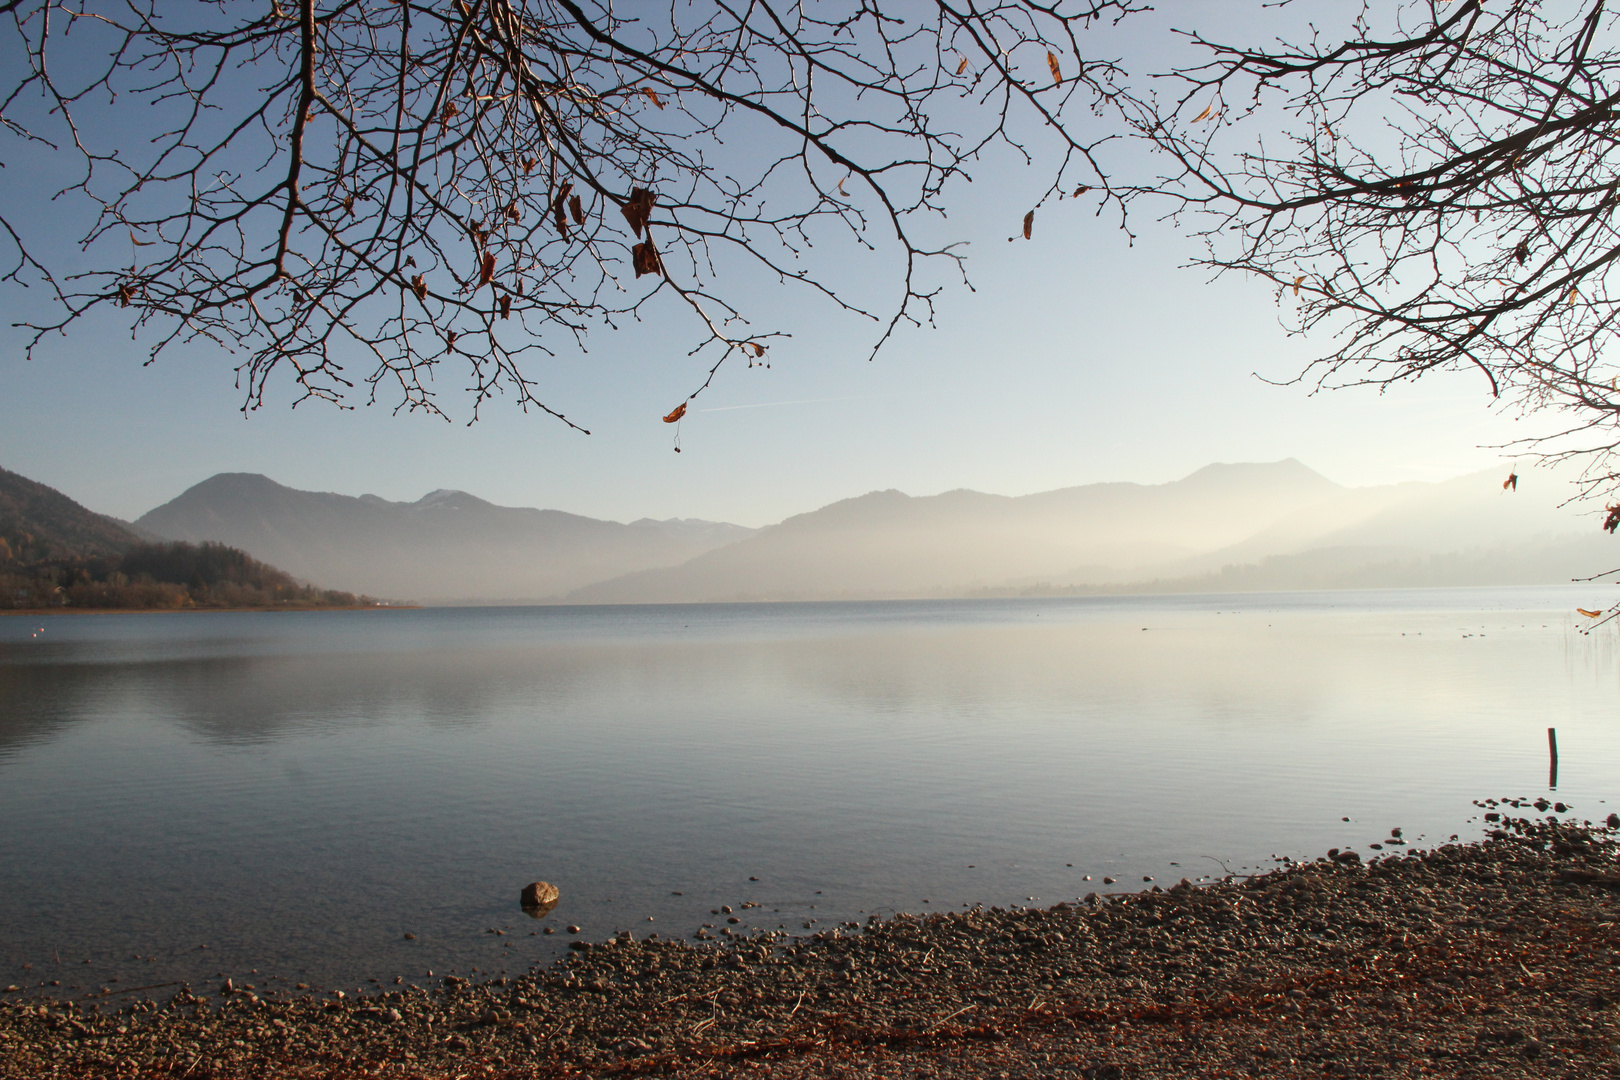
<point x="538" y="898"/>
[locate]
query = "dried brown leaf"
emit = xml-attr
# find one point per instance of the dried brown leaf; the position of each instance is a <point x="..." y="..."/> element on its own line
<point x="1208" y="109"/>
<point x="678" y="412"/>
<point x="1029" y="223"/>
<point x="1057" y="72"/>
<point x="637" y="209"/>
<point x="557" y="207"/>
<point x="962" y="66"/>
<point x="576" y="209"/>
<point x="486" y="273"/>
<point x="644" y="257"/>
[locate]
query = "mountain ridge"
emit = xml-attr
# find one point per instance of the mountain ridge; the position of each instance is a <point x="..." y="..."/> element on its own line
<point x="1228" y="524"/>
<point x="448" y="545"/>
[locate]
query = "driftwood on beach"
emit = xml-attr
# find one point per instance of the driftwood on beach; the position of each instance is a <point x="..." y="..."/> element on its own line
<point x="1492" y="958"/>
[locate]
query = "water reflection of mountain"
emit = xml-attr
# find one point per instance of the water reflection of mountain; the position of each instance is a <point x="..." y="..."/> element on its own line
<point x="1207" y="667"/>
<point x="243" y="701"/>
<point x="36" y="703"/>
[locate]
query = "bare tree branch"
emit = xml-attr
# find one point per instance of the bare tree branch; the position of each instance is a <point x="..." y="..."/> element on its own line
<point x="361" y="192"/>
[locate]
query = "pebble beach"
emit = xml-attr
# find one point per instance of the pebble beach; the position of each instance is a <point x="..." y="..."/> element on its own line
<point x="1494" y="958"/>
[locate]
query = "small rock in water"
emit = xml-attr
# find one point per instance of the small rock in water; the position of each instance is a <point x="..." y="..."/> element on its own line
<point x="410" y="937"/>
<point x="538" y="898"/>
<point x="1108" y="881"/>
<point x="1614" y="821"/>
<point x="572" y="929"/>
<point x="1559" y="808"/>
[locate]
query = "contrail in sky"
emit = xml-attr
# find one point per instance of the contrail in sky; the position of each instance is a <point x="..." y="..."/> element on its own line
<point x="801" y="401"/>
<point x="819" y="400"/>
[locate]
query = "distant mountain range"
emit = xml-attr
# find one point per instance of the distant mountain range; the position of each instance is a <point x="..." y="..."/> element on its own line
<point x="1240" y="527"/>
<point x="1225" y="527"/>
<point x="447" y="546"/>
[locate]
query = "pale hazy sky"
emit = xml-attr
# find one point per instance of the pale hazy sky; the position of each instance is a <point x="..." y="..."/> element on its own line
<point x="1077" y="359"/>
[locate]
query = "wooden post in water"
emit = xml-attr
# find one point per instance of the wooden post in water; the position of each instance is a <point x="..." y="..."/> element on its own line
<point x="1552" y="759"/>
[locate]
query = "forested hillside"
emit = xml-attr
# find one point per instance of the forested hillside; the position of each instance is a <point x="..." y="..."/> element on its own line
<point x="56" y="554"/>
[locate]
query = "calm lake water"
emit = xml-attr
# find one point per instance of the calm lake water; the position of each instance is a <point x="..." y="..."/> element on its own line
<point x="283" y="797"/>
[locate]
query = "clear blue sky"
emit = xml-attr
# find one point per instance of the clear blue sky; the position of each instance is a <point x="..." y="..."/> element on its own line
<point x="1078" y="359"/>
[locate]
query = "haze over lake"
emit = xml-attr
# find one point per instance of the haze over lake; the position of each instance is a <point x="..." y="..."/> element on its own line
<point x="298" y="791"/>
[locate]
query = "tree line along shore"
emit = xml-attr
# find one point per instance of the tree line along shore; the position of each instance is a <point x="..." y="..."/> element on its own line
<point x="158" y="577"/>
<point x="1494" y="958"/>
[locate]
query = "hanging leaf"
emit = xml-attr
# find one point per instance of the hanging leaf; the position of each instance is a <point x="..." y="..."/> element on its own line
<point x="576" y="209"/>
<point x="138" y="243"/>
<point x="557" y="210"/>
<point x="638" y="209"/>
<point x="1057" y="72"/>
<point x="126" y="293"/>
<point x="486" y="273"/>
<point x="652" y="96"/>
<point x="1589" y="614"/>
<point x="1511" y="482"/>
<point x="1611" y="522"/>
<point x="1081" y="190"/>
<point x="1574" y="294"/>
<point x="680" y="411"/>
<point x="1208" y="109"/>
<point x="962" y="66"/>
<point x="506" y="306"/>
<point x="1522" y="252"/>
<point x="514" y="213"/>
<point x="419" y="287"/>
<point x="1029" y="223"/>
<point x="1297" y="281"/>
<point x="644" y="257"/>
<point x="841" y="190"/>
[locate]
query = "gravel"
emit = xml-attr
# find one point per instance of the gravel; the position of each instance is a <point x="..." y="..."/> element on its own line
<point x="1495" y="958"/>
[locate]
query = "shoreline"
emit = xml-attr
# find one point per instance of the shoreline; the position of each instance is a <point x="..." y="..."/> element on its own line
<point x="1493" y="957"/>
<point x="36" y="612"/>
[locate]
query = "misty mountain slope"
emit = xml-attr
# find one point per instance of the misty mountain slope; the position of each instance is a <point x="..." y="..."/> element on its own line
<point x="448" y="545"/>
<point x="39" y="522"/>
<point x="1270" y="526"/>
<point x="1475" y="511"/>
<point x="1394" y="524"/>
<point x="887" y="543"/>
